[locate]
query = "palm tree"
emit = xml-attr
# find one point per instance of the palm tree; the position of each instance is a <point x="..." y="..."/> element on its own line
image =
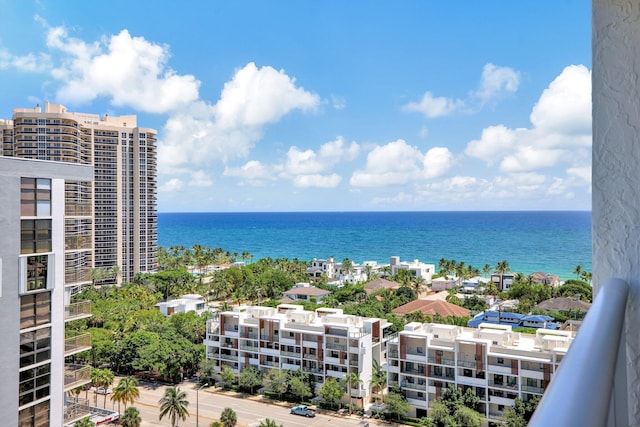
<point x="228" y="417"/>
<point x="486" y="269"/>
<point x="578" y="271"/>
<point x="378" y="377"/>
<point x="352" y="380"/>
<point x="502" y="267"/>
<point x="587" y="276"/>
<point x="126" y="392"/>
<point x="174" y="403"/>
<point x="269" y="423"/>
<point x="131" y="417"/>
<point x="102" y="378"/>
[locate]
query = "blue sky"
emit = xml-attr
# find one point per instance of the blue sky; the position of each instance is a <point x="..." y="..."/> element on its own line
<point x="326" y="105"/>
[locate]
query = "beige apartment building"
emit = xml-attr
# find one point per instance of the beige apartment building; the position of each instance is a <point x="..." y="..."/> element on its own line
<point x="497" y="363"/>
<point x="112" y="220"/>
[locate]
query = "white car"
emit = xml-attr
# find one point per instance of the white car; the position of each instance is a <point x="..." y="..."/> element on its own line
<point x="102" y="390"/>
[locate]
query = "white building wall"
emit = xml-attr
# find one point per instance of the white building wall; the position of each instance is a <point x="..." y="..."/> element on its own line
<point x="616" y="178"/>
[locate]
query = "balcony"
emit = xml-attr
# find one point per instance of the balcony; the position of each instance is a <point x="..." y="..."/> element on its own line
<point x="414" y="386"/>
<point x="442" y="361"/>
<point x="77" y="344"/>
<point x="333" y="346"/>
<point x="76" y="410"/>
<point x="76" y="375"/>
<point x="77" y="310"/>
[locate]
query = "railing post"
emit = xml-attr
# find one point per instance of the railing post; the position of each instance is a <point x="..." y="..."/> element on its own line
<point x="580" y="392"/>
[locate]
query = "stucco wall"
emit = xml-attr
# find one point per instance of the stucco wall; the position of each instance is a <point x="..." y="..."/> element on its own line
<point x="616" y="177"/>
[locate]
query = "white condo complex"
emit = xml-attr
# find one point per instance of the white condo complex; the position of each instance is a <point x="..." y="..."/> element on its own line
<point x="421" y="360"/>
<point x="323" y="343"/>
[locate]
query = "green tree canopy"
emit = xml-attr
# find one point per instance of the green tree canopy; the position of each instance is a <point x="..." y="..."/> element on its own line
<point x="249" y="378"/>
<point x="276" y="381"/>
<point x="396" y="404"/>
<point x="331" y="391"/>
<point x="227" y="376"/>
<point x="299" y="388"/>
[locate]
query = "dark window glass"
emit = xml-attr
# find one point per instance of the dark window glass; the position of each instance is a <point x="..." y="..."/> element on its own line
<point x="37" y="267"/>
<point x="35" y="236"/>
<point x="35" y="347"/>
<point x="34" y="384"/>
<point x="35" y="309"/>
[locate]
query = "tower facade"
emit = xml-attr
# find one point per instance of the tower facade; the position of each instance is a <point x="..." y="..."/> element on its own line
<point x="111" y="222"/>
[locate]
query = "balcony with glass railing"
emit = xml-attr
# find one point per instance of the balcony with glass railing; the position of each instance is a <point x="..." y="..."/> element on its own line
<point x="76" y="375"/>
<point x="77" y="310"/>
<point x="77" y="344"/>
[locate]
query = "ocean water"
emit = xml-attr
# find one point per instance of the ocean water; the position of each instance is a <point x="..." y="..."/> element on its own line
<point x="550" y="241"/>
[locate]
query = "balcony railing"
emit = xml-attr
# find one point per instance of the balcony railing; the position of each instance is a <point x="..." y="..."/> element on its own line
<point x="77" y="310"/>
<point x="75" y="410"/>
<point x="76" y="375"/>
<point x="586" y="373"/>
<point x="77" y="344"/>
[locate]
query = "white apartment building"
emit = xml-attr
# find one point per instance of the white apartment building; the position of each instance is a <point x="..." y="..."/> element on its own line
<point x="110" y="220"/>
<point x="188" y="302"/>
<point x="497" y="363"/>
<point x="34" y="304"/>
<point x="323" y="343"/>
<point x="418" y="269"/>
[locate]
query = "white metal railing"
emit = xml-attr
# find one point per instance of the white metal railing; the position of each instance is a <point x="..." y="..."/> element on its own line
<point x="581" y="390"/>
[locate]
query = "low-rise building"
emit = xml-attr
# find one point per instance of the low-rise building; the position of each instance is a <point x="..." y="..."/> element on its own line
<point x="323" y="343"/>
<point x="419" y="269"/>
<point x="304" y="292"/>
<point x="497" y="363"/>
<point x="503" y="281"/>
<point x="189" y="302"/>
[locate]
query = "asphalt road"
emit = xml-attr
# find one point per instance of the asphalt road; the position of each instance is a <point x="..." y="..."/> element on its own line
<point x="211" y="404"/>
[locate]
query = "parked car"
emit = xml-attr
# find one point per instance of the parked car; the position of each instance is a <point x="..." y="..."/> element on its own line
<point x="102" y="390"/>
<point x="303" y="410"/>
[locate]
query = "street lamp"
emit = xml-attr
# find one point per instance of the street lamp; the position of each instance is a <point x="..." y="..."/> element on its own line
<point x="197" y="404"/>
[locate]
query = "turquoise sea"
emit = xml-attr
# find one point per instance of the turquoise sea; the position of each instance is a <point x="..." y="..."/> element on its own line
<point x="550" y="241"/>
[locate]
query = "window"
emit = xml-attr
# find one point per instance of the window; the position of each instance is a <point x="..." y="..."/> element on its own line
<point x="37" y="272"/>
<point x="35" y="416"/>
<point x="500" y="361"/>
<point x="35" y="236"/>
<point x="35" y="197"/>
<point x="35" y="347"/>
<point x="35" y="309"/>
<point x="34" y="384"/>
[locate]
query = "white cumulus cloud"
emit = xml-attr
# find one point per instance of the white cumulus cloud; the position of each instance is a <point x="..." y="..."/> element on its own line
<point x="497" y="81"/>
<point x="257" y="96"/>
<point x="431" y="106"/>
<point x="174" y="184"/>
<point x="317" y="180"/>
<point x="131" y="71"/>
<point x="399" y="163"/>
<point x="560" y="131"/>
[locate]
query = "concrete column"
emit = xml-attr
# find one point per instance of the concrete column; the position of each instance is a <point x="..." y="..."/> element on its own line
<point x="616" y="180"/>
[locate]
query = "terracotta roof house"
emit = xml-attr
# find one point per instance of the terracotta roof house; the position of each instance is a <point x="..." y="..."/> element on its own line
<point x="304" y="292"/>
<point x="379" y="283"/>
<point x="431" y="307"/>
<point x="546" y="279"/>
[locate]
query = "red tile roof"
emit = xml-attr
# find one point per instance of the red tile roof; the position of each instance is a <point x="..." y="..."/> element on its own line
<point x="431" y="307"/>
